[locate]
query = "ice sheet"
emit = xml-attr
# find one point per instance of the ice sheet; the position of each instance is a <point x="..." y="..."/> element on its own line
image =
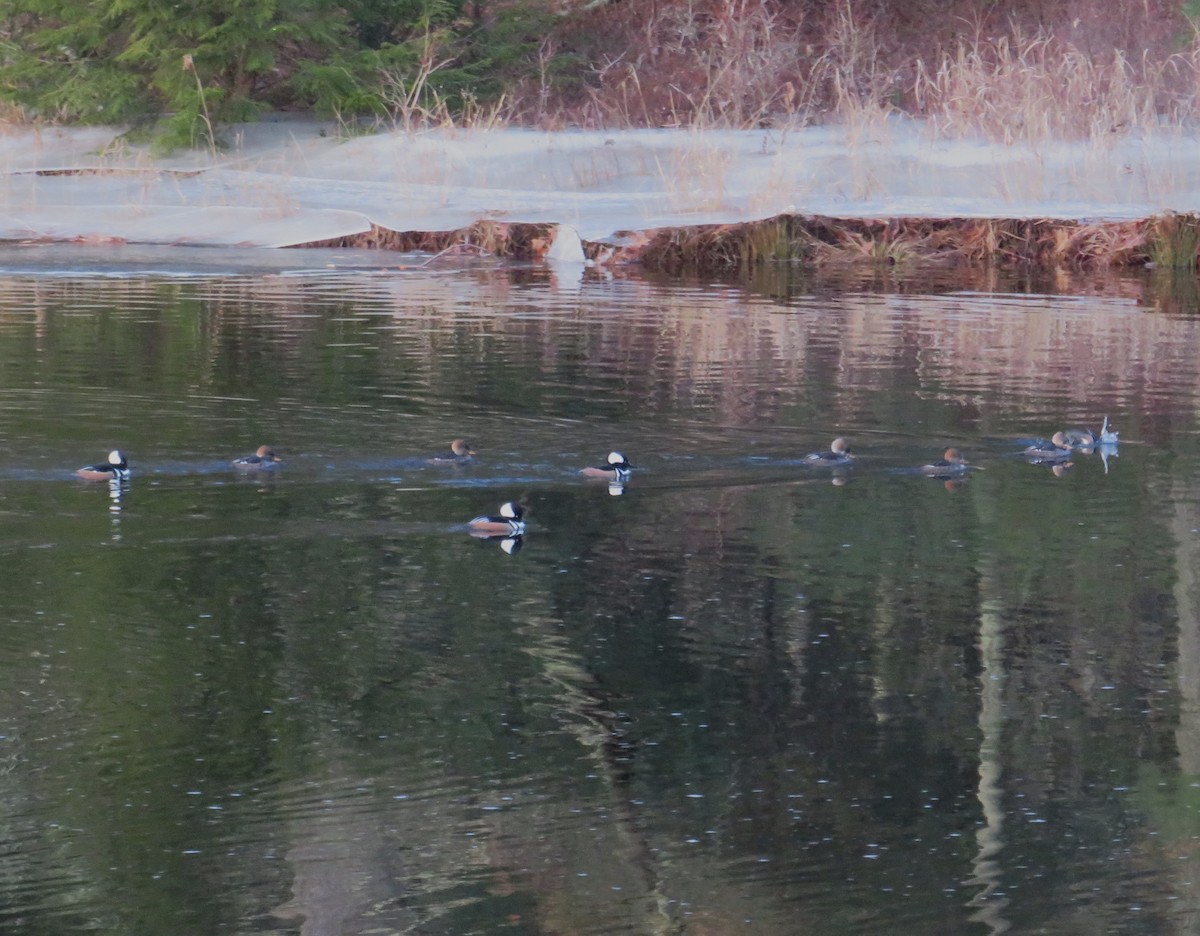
<point x="294" y="181"/>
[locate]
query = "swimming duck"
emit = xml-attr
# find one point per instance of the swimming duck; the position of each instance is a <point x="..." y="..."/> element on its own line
<point x="1079" y="438"/>
<point x="838" y="454"/>
<point x="617" y="469"/>
<point x="1055" y="450"/>
<point x="950" y="465"/>
<point x="1086" y="438"/>
<point x="510" y="522"/>
<point x="459" y="453"/>
<point x="117" y="469"/>
<point x="263" y="458"/>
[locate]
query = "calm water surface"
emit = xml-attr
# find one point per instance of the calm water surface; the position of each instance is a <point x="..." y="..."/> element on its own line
<point x="743" y="696"/>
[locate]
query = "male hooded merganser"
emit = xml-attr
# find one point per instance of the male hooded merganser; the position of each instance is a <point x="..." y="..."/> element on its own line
<point x="460" y="452"/>
<point x="838" y="454"/>
<point x="950" y="465"/>
<point x="509" y="523"/>
<point x="1055" y="450"/>
<point x="264" y="458"/>
<point x="617" y="469"/>
<point x="117" y="469"/>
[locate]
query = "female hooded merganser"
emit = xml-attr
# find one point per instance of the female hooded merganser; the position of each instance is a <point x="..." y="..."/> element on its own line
<point x="950" y="465"/>
<point x="509" y="523"/>
<point x="1079" y="438"/>
<point x="1086" y="438"/>
<point x="117" y="469"/>
<point x="460" y="452"/>
<point x="1055" y="450"/>
<point x="838" y="454"/>
<point x="617" y="469"/>
<point x="264" y="458"/>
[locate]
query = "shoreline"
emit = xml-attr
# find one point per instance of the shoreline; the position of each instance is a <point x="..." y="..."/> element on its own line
<point x="887" y="191"/>
<point x="1166" y="240"/>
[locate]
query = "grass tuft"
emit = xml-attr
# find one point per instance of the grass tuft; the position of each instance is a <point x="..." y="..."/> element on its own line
<point x="1174" y="241"/>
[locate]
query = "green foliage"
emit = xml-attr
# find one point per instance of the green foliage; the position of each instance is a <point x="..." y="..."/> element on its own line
<point x="189" y="68"/>
<point x="214" y="61"/>
<point x="61" y="64"/>
<point x="522" y="43"/>
<point x="377" y="24"/>
<point x="354" y="85"/>
<point x="343" y="89"/>
<point x="1175" y="241"/>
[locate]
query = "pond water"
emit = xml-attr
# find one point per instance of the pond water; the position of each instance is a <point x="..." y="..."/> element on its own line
<point x="740" y="695"/>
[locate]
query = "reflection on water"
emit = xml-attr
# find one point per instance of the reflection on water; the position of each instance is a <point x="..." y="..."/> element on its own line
<point x="735" y="698"/>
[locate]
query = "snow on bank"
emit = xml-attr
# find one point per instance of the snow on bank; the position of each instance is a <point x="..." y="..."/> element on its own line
<point x="292" y="181"/>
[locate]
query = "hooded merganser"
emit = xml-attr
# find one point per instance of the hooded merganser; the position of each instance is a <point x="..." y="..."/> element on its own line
<point x="1056" y="450"/>
<point x="117" y="469"/>
<point x="460" y="452"/>
<point x="617" y="469"/>
<point x="950" y="465"/>
<point x="1079" y="438"/>
<point x="265" y="457"/>
<point x="510" y="523"/>
<point x="838" y="454"/>
<point x="1086" y="438"/>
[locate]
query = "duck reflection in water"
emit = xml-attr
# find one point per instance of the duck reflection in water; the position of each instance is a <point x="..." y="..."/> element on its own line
<point x="508" y="544"/>
<point x="1107" y="450"/>
<point x="115" y="489"/>
<point x="1060" y="469"/>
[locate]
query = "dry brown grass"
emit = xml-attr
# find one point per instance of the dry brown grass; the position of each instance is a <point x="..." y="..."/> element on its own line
<point x="1170" y="241"/>
<point x="13" y="115"/>
<point x="730" y="63"/>
<point x="1039" y="243"/>
<point x="1038" y="88"/>
<point x="1022" y="71"/>
<point x="488" y="238"/>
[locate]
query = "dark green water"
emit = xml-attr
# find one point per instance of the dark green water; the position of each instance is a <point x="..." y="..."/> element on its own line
<point x="737" y="698"/>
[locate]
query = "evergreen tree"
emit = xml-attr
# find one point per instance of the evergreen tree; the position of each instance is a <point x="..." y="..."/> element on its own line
<point x="204" y="62"/>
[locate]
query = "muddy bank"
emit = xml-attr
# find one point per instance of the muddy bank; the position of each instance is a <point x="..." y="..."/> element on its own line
<point x="1166" y="240"/>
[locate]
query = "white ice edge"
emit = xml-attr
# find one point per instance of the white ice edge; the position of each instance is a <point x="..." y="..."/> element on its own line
<point x="292" y="181"/>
